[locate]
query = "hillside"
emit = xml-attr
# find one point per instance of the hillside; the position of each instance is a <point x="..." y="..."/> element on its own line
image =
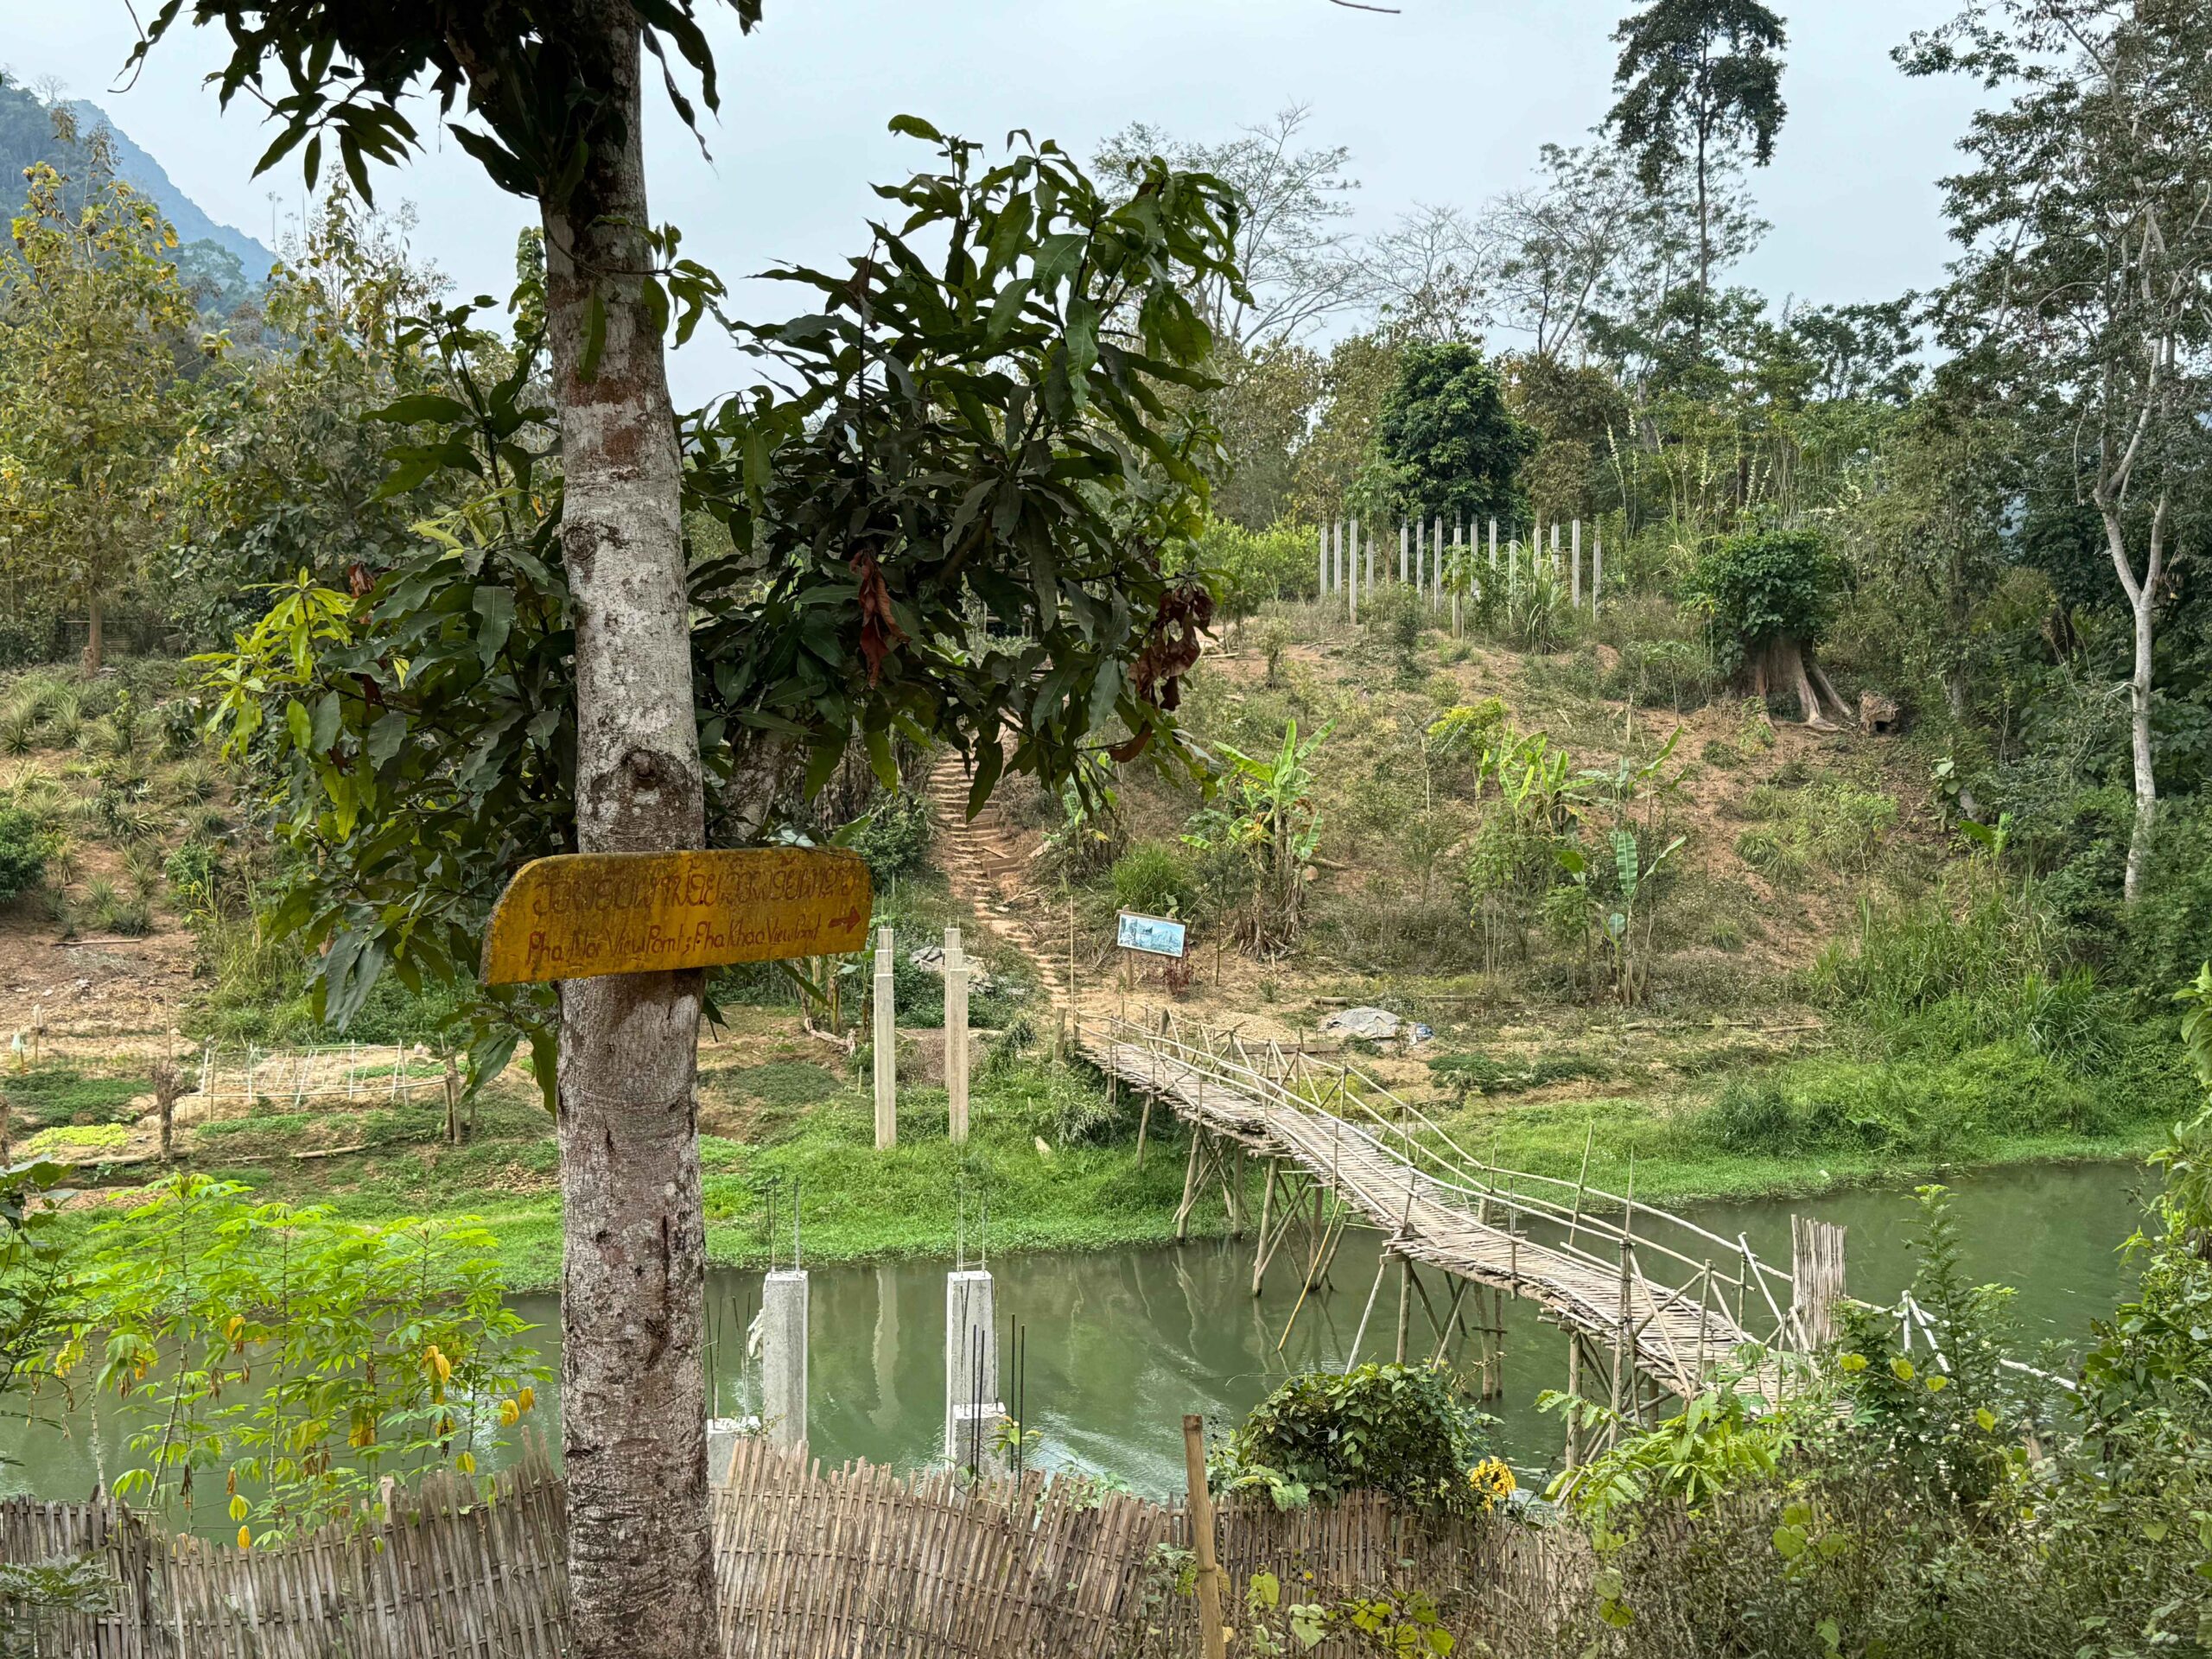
<point x="28" y="136"/>
<point x="1752" y="1054"/>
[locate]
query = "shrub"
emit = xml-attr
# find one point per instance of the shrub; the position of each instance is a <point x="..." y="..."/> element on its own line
<point x="24" y="848"/>
<point x="1763" y="586"/>
<point x="104" y="910"/>
<point x="1388" y="1428"/>
<point x="1154" y="878"/>
<point x="893" y="840"/>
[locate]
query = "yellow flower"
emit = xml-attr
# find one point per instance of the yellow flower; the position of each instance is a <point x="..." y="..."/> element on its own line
<point x="436" y="1363"/>
<point x="527" y="1398"/>
<point x="237" y="1508"/>
<point x="245" y="1539"/>
<point x="509" y="1410"/>
<point x="1493" y="1480"/>
<point x="466" y="1463"/>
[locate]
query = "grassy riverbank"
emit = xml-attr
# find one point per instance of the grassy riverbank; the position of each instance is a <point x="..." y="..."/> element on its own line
<point x="1057" y="1162"/>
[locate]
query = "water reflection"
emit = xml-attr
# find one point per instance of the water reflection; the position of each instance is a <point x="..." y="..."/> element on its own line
<point x="1122" y="1344"/>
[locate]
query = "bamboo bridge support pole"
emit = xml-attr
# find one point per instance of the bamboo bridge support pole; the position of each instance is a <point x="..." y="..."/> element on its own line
<point x="1190" y="1187"/>
<point x="1405" y="1308"/>
<point x="1574" y="1389"/>
<point x="1360" y="1336"/>
<point x="885" y="1046"/>
<point x="1144" y="1122"/>
<point x="1200" y="1501"/>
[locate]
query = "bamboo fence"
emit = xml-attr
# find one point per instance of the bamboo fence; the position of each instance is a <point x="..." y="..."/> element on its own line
<point x="812" y="1564"/>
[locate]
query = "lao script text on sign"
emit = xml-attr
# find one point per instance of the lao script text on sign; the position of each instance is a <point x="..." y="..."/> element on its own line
<point x="1156" y="936"/>
<point x="584" y="914"/>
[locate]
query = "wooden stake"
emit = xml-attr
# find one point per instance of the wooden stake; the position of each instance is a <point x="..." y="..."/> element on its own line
<point x="1200" y="1501"/>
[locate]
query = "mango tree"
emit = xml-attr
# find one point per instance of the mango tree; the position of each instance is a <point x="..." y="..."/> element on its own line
<point x="976" y="418"/>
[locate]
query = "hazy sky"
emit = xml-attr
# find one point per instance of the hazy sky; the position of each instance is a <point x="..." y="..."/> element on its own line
<point x="1446" y="102"/>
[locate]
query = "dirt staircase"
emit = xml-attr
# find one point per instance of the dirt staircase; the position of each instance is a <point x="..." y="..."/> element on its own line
<point x="988" y="872"/>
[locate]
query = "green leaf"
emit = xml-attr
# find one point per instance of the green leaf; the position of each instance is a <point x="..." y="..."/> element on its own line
<point x="496" y="606"/>
<point x="914" y="127"/>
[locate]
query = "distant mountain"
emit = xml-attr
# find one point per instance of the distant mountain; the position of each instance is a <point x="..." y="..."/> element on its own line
<point x="142" y="172"/>
<point x="224" y="263"/>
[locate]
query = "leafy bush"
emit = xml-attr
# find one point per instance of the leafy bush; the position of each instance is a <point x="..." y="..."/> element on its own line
<point x="895" y="839"/>
<point x="25" y="846"/>
<point x="1154" y="878"/>
<point x="1247" y="568"/>
<point x="1389" y="1428"/>
<point x="1764" y="585"/>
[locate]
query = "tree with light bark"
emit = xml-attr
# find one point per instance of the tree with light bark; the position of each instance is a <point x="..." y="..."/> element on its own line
<point x="2083" y="293"/>
<point x="975" y="417"/>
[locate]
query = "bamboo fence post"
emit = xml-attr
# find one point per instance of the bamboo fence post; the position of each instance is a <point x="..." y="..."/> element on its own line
<point x="1200" y="1511"/>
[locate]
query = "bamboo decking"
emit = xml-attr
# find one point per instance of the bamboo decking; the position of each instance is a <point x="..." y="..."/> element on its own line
<point x="1650" y="1286"/>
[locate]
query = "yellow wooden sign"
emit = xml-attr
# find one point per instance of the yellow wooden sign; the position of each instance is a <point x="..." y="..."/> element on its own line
<point x="584" y="914"/>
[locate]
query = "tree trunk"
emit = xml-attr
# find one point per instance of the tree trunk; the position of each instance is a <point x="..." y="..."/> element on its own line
<point x="2146" y="782"/>
<point x="632" y="1394"/>
<point x="1783" y="663"/>
<point x="95" y="637"/>
<point x="2142" y="601"/>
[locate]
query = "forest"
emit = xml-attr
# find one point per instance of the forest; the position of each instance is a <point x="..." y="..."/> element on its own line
<point x="1681" y="740"/>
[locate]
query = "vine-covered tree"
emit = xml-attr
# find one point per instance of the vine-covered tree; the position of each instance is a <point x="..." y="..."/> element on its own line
<point x="1769" y="595"/>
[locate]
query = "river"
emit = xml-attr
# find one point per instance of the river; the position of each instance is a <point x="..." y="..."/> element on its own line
<point x="1120" y="1345"/>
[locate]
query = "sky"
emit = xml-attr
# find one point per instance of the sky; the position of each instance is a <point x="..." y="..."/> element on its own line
<point x="1446" y="102"/>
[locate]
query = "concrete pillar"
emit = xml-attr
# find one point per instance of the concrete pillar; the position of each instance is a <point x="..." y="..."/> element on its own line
<point x="1597" y="564"/>
<point x="1405" y="547"/>
<point x="887" y="1047"/>
<point x="783" y="1357"/>
<point x="955" y="1037"/>
<point x="1321" y="581"/>
<point x="1574" y="560"/>
<point x="1351" y="570"/>
<point x="972" y="1409"/>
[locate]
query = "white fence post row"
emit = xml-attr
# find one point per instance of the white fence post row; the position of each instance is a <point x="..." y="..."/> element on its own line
<point x="1574" y="589"/>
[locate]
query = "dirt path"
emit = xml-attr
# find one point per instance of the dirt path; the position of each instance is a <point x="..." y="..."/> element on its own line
<point x="987" y="871"/>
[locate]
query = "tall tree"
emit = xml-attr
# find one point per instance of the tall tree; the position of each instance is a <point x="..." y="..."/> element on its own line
<point x="89" y="301"/>
<point x="1696" y="80"/>
<point x="551" y="93"/>
<point x="1298" y="262"/>
<point x="1447" y="437"/>
<point x="2084" y="291"/>
<point x="963" y="434"/>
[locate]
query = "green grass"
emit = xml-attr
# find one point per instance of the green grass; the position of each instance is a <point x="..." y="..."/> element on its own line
<point x="56" y="1094"/>
<point x="1882" y="1114"/>
<point x="1805" y="1125"/>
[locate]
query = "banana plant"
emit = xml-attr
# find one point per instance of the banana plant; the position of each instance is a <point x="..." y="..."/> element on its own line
<point x="1620" y="921"/>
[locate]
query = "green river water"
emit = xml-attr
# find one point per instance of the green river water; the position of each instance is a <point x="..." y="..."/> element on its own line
<point x="1120" y="1345"/>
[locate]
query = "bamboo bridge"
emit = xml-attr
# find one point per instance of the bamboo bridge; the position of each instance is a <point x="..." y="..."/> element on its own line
<point x="1658" y="1304"/>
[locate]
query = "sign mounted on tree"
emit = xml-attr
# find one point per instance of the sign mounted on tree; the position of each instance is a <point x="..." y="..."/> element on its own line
<point x="584" y="914"/>
<point x="1156" y="936"/>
